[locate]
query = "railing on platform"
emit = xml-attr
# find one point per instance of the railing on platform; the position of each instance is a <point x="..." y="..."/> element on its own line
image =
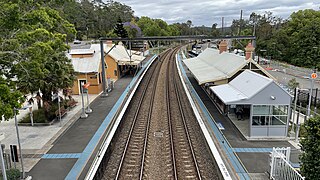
<point x="280" y="167"/>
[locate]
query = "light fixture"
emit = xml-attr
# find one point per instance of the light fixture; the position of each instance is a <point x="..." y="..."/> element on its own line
<point x="273" y="97"/>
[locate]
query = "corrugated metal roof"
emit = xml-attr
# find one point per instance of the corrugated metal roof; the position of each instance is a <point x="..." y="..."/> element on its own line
<point x="228" y="93"/>
<point x="92" y="64"/>
<point x="244" y="86"/>
<point x="250" y="83"/>
<point x="211" y="66"/>
<point x="87" y="64"/>
<point x="81" y="51"/>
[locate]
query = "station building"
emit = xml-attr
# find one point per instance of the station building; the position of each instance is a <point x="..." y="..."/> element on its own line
<point x="242" y="90"/>
<point x="87" y="65"/>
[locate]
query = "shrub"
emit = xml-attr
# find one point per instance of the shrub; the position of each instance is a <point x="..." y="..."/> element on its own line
<point x="12" y="174"/>
<point x="39" y="115"/>
<point x="302" y="130"/>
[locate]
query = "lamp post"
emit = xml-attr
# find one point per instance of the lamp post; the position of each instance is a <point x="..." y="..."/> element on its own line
<point x="18" y="137"/>
<point x="83" y="113"/>
<point x="31" y="114"/>
<point x="313" y="77"/>
<point x="85" y="89"/>
<point x="3" y="168"/>
<point x="59" y="110"/>
<point x="274" y="52"/>
<point x="294" y="111"/>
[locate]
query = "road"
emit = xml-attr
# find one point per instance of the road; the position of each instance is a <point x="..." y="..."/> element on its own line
<point x="284" y="75"/>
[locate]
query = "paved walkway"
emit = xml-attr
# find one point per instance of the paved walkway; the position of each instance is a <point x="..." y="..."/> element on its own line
<point x="69" y="145"/>
<point x="37" y="140"/>
<point x="51" y="151"/>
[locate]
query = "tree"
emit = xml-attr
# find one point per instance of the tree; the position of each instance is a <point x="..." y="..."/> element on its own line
<point x="32" y="50"/>
<point x="9" y="99"/>
<point x="310" y="145"/>
<point x="189" y="24"/>
<point x="95" y="18"/>
<point x="119" y="29"/>
<point x="292" y="84"/>
<point x="303" y="30"/>
<point x="214" y="31"/>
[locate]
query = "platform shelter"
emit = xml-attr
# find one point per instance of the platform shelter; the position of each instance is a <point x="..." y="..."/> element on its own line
<point x="256" y="104"/>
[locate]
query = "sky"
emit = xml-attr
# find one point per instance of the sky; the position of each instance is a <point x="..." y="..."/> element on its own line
<point x="207" y="12"/>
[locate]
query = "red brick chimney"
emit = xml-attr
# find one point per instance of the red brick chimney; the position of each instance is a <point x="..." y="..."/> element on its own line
<point x="249" y="51"/>
<point x="223" y="46"/>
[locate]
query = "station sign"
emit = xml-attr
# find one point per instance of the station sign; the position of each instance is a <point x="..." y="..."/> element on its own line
<point x="86" y="86"/>
<point x="314" y="75"/>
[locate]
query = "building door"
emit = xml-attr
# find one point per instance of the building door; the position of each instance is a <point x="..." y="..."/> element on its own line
<point x="81" y="82"/>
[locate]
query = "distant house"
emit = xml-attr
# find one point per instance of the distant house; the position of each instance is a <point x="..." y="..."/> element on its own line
<point x="87" y="65"/>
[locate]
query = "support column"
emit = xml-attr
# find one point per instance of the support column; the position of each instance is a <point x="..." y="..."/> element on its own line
<point x="104" y="85"/>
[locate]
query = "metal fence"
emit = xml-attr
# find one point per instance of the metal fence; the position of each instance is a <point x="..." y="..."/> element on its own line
<point x="303" y="96"/>
<point x="280" y="167"/>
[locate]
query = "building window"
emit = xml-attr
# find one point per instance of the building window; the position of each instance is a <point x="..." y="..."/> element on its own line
<point x="269" y="115"/>
<point x="99" y="78"/>
<point x="115" y="72"/>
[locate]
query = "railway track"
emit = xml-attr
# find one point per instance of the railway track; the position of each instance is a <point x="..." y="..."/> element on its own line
<point x="159" y="137"/>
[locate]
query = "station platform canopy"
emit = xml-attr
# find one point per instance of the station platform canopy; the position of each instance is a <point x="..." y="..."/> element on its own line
<point x="243" y="87"/>
<point x="210" y="66"/>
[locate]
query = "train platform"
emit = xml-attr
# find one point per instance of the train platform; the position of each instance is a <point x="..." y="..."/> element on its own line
<point x="250" y="159"/>
<point x="74" y="150"/>
<point x="74" y="143"/>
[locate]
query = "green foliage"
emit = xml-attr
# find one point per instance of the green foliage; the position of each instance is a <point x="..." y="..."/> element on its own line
<point x="94" y="20"/>
<point x="310" y="145"/>
<point x="292" y="84"/>
<point x="295" y="41"/>
<point x="32" y="37"/>
<point x="12" y="174"/>
<point x="39" y="115"/>
<point x="119" y="29"/>
<point x="9" y="99"/>
<point x="303" y="32"/>
<point x="157" y="27"/>
<point x="214" y="31"/>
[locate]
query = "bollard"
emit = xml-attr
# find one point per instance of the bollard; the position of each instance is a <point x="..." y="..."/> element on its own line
<point x="83" y="114"/>
<point x="88" y="109"/>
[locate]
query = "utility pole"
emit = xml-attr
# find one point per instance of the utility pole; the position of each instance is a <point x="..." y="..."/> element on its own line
<point x="222" y="25"/>
<point x="3" y="167"/>
<point x="313" y="77"/>
<point x="294" y="111"/>
<point x="240" y="23"/>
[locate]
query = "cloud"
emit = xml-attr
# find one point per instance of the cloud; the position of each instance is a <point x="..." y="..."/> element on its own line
<point x="207" y="12"/>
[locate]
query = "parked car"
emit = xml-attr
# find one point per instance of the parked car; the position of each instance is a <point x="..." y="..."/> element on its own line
<point x="76" y="42"/>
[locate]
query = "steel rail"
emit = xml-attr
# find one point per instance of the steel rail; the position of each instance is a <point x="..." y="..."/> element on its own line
<point x="133" y="124"/>
<point x="185" y="125"/>
<point x="148" y="123"/>
<point x="175" y="174"/>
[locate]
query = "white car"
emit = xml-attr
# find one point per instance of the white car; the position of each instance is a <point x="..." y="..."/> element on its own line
<point x="76" y="42"/>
